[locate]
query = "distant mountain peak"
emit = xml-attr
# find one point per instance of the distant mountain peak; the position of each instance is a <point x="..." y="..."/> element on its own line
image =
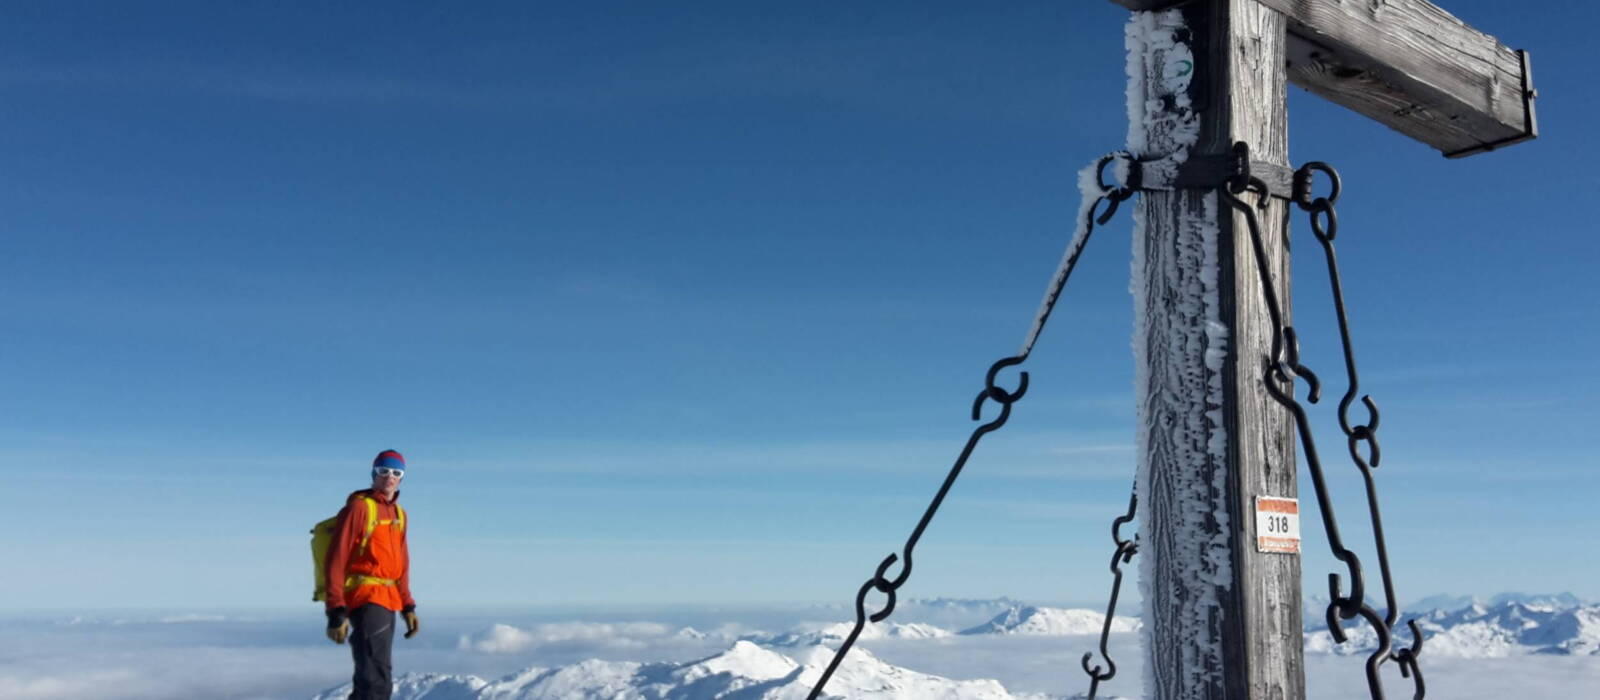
<point x="744" y="659"/>
<point x="1516" y="625"/>
<point x="838" y="632"/>
<point x="1038" y="620"/>
<point x="1002" y="601"/>
<point x="1451" y="603"/>
<point x="745" y="671"/>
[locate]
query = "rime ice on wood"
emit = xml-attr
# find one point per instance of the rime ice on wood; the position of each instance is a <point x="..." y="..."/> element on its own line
<point x="1222" y="616"/>
<point x="1159" y="134"/>
<point x="1196" y="554"/>
<point x="1178" y="370"/>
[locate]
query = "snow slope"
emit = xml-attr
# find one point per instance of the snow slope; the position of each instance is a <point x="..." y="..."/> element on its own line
<point x="1481" y="630"/>
<point x="744" y="672"/>
<point x="836" y="633"/>
<point x="1027" y="619"/>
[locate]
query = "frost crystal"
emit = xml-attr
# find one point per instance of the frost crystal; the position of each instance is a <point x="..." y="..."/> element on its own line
<point x="1180" y="345"/>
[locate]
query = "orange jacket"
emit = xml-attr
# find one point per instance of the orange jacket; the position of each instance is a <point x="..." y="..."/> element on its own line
<point x="385" y="556"/>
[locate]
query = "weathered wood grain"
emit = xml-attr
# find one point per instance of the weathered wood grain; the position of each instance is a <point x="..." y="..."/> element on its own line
<point x="1184" y="556"/>
<point x="1410" y="65"/>
<point x="1261" y="440"/>
<point x="1223" y="621"/>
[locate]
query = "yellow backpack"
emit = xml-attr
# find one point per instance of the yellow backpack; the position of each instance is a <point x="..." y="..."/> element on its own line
<point x="322" y="537"/>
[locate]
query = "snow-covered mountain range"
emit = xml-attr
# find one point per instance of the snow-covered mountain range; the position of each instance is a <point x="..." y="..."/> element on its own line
<point x="768" y="666"/>
<point x="1015" y="619"/>
<point x="1516" y="625"/>
<point x="743" y="672"/>
<point x="1505" y="625"/>
<point x="1028" y="619"/>
<point x="836" y="633"/>
<point x="1560" y="601"/>
<point x="949" y="613"/>
<point x="752" y="670"/>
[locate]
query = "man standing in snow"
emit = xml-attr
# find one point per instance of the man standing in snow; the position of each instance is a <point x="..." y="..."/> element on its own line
<point x="369" y="577"/>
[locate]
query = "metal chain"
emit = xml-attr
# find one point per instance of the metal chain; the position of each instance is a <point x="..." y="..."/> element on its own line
<point x="1281" y="368"/>
<point x="1113" y="195"/>
<point x="1109" y="195"/>
<point x="1325" y="225"/>
<point x="1123" y="554"/>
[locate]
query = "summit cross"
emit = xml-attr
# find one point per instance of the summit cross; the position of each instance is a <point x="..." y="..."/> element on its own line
<point x="1224" y="619"/>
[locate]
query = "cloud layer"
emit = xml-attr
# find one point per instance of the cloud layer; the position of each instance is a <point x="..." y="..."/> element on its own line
<point x="506" y="639"/>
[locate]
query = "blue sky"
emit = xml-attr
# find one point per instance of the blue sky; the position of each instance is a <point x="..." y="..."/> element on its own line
<point x="670" y="304"/>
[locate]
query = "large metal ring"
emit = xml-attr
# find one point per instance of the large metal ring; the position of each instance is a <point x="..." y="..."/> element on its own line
<point x="1303" y="180"/>
<point x="1122" y="190"/>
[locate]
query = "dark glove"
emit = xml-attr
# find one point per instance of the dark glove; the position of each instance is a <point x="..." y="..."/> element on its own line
<point x="338" y="626"/>
<point x="411" y="622"/>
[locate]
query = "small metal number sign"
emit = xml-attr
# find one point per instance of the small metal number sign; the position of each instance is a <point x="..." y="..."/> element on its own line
<point x="1278" y="525"/>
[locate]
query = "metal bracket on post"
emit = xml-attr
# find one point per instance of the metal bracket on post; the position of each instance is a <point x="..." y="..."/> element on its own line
<point x="1205" y="171"/>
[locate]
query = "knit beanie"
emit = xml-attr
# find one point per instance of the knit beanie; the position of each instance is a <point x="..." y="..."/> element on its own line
<point x="390" y="459"/>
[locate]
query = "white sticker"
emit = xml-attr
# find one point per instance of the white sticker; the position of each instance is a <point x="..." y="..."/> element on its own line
<point x="1277" y="525"/>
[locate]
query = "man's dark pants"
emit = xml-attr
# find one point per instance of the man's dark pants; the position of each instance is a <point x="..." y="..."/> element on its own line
<point x="371" y="639"/>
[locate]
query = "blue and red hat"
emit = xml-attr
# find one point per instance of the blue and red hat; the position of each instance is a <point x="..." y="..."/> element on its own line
<point x="390" y="459"/>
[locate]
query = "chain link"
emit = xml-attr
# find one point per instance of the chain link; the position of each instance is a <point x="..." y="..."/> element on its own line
<point x="1123" y="554"/>
<point x="1112" y="194"/>
<point x="1325" y="225"/>
<point x="1281" y="368"/>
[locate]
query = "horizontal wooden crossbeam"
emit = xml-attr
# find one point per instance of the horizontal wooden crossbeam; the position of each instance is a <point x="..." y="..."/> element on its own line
<point x="1410" y="65"/>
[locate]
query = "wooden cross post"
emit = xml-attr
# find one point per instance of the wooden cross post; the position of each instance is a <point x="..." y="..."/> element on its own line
<point x="1222" y="618"/>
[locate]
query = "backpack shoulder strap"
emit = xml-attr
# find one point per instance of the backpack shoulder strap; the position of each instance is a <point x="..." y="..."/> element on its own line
<point x="372" y="522"/>
<point x="402" y="517"/>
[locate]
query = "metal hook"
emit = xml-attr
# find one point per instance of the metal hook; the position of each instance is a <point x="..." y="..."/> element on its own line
<point x="1116" y="525"/>
<point x="1348" y="606"/>
<point x="1263" y="192"/>
<point x="1368" y="434"/>
<point x="1375" y="661"/>
<point x="1123" y="554"/>
<point x="1108" y="213"/>
<point x="1406" y="659"/>
<point x="1001" y="396"/>
<point x="1096" y="672"/>
<point x="887" y="586"/>
<point x="1292" y="351"/>
<point x="1239" y="178"/>
<point x="1324" y="221"/>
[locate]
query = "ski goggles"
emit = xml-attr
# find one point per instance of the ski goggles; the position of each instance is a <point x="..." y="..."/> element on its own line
<point x="388" y="471"/>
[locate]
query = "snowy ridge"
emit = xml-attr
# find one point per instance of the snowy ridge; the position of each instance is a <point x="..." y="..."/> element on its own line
<point x="960" y="604"/>
<point x="916" y="607"/>
<point x="949" y="613"/>
<point x="1554" y="601"/>
<point x="953" y="613"/>
<point x="1031" y="620"/>
<point x="1483" y="631"/>
<point x="835" y="633"/>
<point x="744" y="672"/>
